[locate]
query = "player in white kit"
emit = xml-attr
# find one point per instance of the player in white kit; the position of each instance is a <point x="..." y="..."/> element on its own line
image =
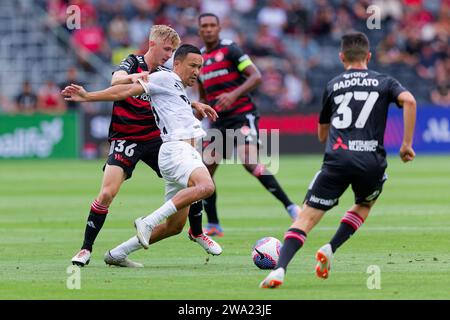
<point x="187" y="179"/>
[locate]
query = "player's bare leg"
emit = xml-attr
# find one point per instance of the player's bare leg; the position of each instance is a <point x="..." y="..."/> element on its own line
<point x="248" y="154"/>
<point x="213" y="227"/>
<point x="294" y="239"/>
<point x="200" y="186"/>
<point x="173" y="226"/>
<point x="196" y="232"/>
<point x="352" y="221"/>
<point x="113" y="177"/>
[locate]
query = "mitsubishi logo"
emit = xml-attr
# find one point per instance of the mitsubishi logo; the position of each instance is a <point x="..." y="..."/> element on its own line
<point x="340" y="144"/>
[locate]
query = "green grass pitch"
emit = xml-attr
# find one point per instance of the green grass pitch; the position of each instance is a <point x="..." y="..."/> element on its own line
<point x="44" y="205"/>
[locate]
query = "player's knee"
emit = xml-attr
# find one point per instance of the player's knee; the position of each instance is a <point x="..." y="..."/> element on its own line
<point x="107" y="195"/>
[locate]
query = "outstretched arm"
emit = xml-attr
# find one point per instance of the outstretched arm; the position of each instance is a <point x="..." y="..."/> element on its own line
<point x="121" y="77"/>
<point x="407" y="101"/>
<point x="116" y="93"/>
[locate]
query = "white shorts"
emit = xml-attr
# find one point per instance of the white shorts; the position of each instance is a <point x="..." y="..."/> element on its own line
<point x="177" y="160"/>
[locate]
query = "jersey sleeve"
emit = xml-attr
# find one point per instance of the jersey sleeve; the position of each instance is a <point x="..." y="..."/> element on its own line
<point x="325" y="114"/>
<point x="395" y="88"/>
<point x="157" y="82"/>
<point x="238" y="57"/>
<point x="129" y="65"/>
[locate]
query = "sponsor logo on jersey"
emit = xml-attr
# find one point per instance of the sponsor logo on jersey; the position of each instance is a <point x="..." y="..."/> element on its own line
<point x="363" y="145"/>
<point x="143" y="97"/>
<point x="373" y="195"/>
<point x="340" y="144"/>
<point x="245" y="130"/>
<point x="219" y="56"/>
<point x="213" y="74"/>
<point x="120" y="158"/>
<point x="325" y="202"/>
<point x="355" y="74"/>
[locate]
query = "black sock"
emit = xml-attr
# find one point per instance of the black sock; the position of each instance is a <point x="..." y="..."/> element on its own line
<point x="210" y="208"/>
<point x="293" y="241"/>
<point x="96" y="219"/>
<point x="271" y="184"/>
<point x="349" y="224"/>
<point x="195" y="218"/>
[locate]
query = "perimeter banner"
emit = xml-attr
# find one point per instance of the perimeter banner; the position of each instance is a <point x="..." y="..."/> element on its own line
<point x="39" y="136"/>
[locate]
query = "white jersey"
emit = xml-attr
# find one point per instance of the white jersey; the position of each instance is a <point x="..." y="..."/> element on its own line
<point x="171" y="107"/>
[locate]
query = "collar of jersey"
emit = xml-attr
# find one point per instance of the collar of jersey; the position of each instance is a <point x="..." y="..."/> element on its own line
<point x="176" y="77"/>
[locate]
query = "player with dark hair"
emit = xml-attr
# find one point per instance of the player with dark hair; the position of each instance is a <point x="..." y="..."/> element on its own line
<point x="352" y="123"/>
<point x="226" y="80"/>
<point x="187" y="179"/>
<point x="134" y="137"/>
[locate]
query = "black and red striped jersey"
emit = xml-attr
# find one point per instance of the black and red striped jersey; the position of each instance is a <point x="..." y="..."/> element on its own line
<point x="222" y="72"/>
<point x="132" y="119"/>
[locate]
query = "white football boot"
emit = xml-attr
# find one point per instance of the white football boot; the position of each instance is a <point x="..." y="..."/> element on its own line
<point x="273" y="280"/>
<point x="323" y="257"/>
<point x="206" y="243"/>
<point x="124" y="262"/>
<point x="82" y="258"/>
<point x="144" y="231"/>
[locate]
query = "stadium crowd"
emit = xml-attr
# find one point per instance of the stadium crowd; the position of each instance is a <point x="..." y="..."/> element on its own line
<point x="293" y="42"/>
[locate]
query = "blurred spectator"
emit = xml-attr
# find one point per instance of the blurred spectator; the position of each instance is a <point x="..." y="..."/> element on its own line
<point x="118" y="32"/>
<point x="322" y="23"/>
<point x="271" y="88"/>
<point x="244" y="7"/>
<point x="296" y="91"/>
<point x="274" y="16"/>
<point x="50" y="100"/>
<point x="440" y="96"/>
<point x="57" y="12"/>
<point x="414" y="35"/>
<point x="309" y="52"/>
<point x="343" y="23"/>
<point x="139" y="29"/>
<point x="90" y="40"/>
<point x="389" y="51"/>
<point x="228" y="29"/>
<point x="107" y="9"/>
<point x="220" y="8"/>
<point x="71" y="77"/>
<point x="413" y="46"/>
<point x="390" y="9"/>
<point x="298" y="17"/>
<point x="428" y="58"/>
<point x="415" y="14"/>
<point x="441" y="93"/>
<point x="265" y="43"/>
<point x="5" y="105"/>
<point x="88" y="11"/>
<point x="26" y="100"/>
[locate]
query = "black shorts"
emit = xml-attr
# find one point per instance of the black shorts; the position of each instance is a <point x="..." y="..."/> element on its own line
<point x="236" y="131"/>
<point x="330" y="183"/>
<point x="126" y="154"/>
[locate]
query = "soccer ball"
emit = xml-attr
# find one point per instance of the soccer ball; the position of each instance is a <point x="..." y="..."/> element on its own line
<point x="266" y="252"/>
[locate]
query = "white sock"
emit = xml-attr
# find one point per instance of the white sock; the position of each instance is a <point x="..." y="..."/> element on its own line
<point x="125" y="248"/>
<point x="160" y="214"/>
